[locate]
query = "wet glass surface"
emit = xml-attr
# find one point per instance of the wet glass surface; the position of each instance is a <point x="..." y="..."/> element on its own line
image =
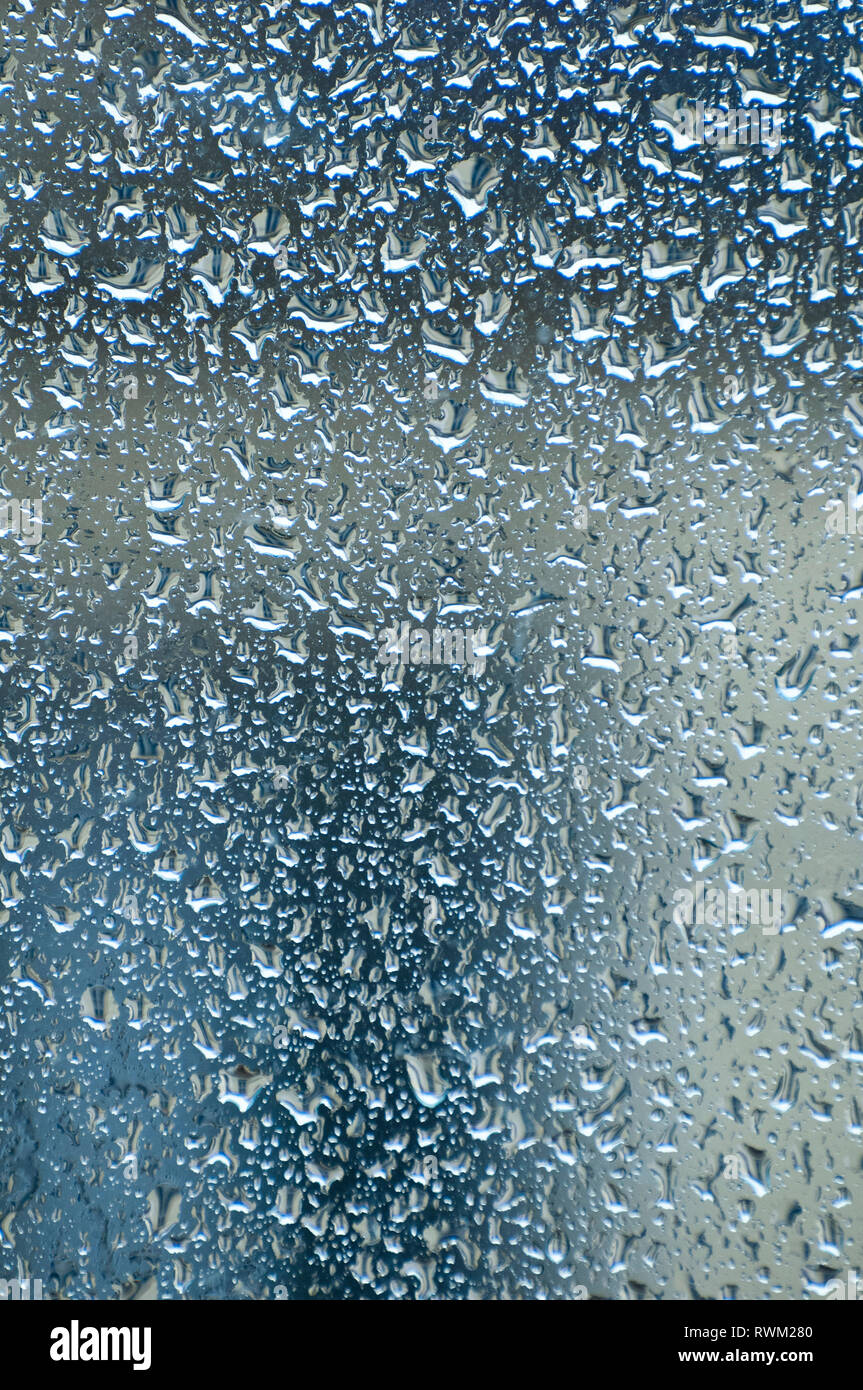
<point x="429" y="649"/>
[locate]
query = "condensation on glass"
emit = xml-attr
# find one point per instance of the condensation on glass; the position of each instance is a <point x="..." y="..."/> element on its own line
<point x="429" y="650"/>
